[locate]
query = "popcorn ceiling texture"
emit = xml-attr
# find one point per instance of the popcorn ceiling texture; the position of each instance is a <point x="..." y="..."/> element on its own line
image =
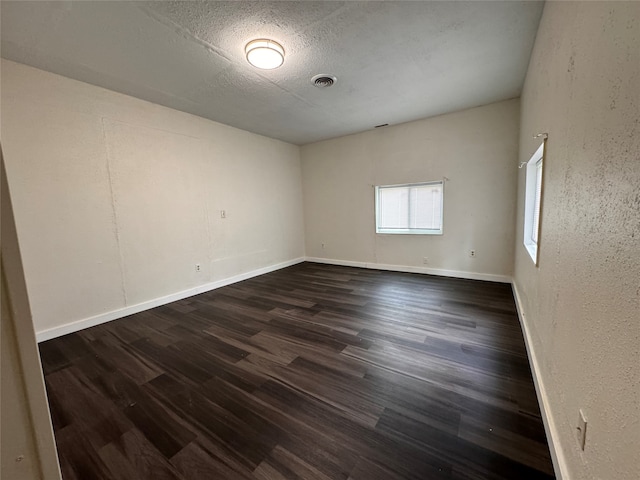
<point x="582" y="305"/>
<point x="395" y="61"/>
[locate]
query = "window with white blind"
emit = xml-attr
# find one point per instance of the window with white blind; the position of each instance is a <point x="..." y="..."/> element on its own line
<point x="533" y="202"/>
<point x="410" y="209"/>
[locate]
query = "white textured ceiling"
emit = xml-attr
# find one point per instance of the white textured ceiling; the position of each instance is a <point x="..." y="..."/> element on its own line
<point x="395" y="61"/>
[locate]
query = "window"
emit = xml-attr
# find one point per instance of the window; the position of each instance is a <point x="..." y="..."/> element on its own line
<point x="410" y="209"/>
<point x="533" y="202"/>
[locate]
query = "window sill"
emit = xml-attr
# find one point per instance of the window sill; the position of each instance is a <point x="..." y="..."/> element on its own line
<point x="532" y="250"/>
<point x="409" y="232"/>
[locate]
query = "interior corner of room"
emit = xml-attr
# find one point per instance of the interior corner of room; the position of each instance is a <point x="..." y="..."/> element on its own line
<point x="122" y="205"/>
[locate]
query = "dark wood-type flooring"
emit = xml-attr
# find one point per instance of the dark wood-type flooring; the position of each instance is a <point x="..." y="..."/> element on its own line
<point x="311" y="372"/>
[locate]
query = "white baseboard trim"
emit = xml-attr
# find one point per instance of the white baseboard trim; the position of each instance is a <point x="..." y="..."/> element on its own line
<point x="72" y="327"/>
<point x="408" y="269"/>
<point x="551" y="429"/>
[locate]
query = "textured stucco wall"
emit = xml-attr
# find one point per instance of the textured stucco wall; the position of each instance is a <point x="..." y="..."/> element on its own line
<point x="116" y="199"/>
<point x="476" y="149"/>
<point x="582" y="305"/>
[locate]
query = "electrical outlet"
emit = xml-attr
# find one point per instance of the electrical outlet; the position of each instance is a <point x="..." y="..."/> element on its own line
<point x="323" y="245"/>
<point x="425" y="260"/>
<point x="581" y="430"/>
<point x="197" y="267"/>
<point x="472" y="253"/>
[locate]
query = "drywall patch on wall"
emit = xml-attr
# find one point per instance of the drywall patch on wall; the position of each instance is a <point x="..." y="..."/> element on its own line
<point x="56" y="166"/>
<point x="117" y="200"/>
<point x="582" y="304"/>
<point x="476" y="150"/>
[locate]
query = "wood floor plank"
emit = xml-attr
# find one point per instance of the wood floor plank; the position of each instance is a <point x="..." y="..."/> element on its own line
<point x="284" y="459"/>
<point x="133" y="456"/>
<point x="313" y="372"/>
<point x="195" y="461"/>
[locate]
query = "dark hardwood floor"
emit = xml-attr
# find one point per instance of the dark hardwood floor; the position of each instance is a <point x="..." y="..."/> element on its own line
<point x="311" y="372"/>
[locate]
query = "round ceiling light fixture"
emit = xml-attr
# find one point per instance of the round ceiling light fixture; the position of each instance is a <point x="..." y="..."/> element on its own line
<point x="264" y="53"/>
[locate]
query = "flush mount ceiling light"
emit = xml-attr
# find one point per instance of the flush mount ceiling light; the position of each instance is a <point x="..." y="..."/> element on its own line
<point x="264" y="53"/>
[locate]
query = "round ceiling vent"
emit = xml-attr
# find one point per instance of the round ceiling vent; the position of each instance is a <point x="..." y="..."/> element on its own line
<point x="323" y="80"/>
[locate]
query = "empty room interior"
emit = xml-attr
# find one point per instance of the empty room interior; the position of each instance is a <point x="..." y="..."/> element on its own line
<point x="320" y="240"/>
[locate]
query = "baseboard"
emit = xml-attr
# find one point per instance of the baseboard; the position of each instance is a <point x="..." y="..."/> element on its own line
<point x="408" y="269"/>
<point x="48" y="334"/>
<point x="551" y="429"/>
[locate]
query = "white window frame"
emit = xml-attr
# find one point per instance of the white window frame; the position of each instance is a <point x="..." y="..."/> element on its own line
<point x="409" y="231"/>
<point x="534" y="184"/>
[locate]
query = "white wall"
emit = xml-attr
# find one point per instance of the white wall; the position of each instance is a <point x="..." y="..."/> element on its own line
<point x="582" y="305"/>
<point x="117" y="199"/>
<point x="15" y="419"/>
<point x="476" y="149"/>
<point x="27" y="449"/>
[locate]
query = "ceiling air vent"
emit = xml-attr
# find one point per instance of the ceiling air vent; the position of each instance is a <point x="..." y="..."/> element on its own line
<point x="323" y="80"/>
